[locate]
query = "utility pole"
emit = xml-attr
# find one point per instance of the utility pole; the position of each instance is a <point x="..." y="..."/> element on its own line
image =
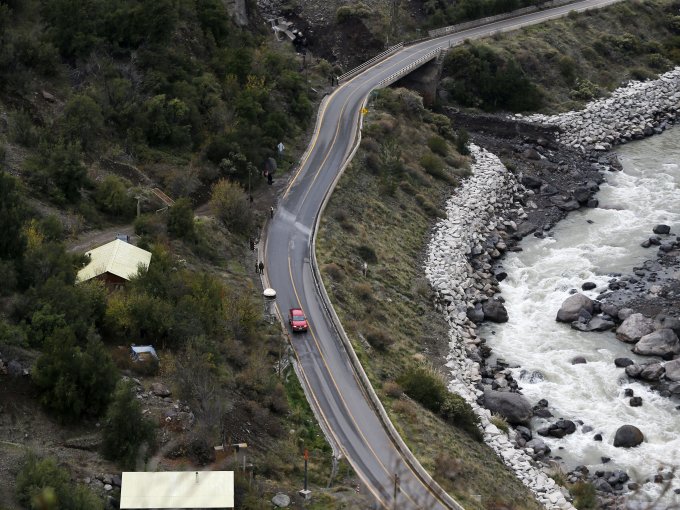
<point x="306" y="459"/>
<point x="305" y="493"/>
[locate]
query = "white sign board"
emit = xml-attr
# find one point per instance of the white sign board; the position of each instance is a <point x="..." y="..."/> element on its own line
<point x="177" y="489"/>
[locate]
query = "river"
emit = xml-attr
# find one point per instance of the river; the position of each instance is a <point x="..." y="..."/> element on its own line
<point x="588" y="246"/>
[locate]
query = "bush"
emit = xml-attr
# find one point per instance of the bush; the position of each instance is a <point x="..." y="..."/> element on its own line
<point x="642" y="74"/>
<point x="485" y="78"/>
<point x="585" y="497"/>
<point x="335" y="272"/>
<point x="74" y="382"/>
<point x="83" y="121"/>
<point x="125" y="428"/>
<point x="149" y="225"/>
<point x="500" y="422"/>
<point x="112" y="197"/>
<point x="585" y="90"/>
<point x="22" y="130"/>
<point x="458" y="412"/>
<point x="42" y="484"/>
<point x="364" y="291"/>
<point x="462" y="139"/>
<point x="378" y="339"/>
<point x="12" y="215"/>
<point x="181" y="219"/>
<point x="426" y="386"/>
<point x="392" y="389"/>
<point x="367" y="254"/>
<point x="438" y="145"/>
<point x="230" y="205"/>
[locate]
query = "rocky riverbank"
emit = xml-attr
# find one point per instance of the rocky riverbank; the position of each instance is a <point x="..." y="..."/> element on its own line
<point x="632" y="112"/>
<point x="478" y="229"/>
<point x="548" y="176"/>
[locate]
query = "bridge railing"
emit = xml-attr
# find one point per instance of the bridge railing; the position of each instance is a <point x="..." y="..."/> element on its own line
<point x="451" y="29"/>
<point x="370" y="62"/>
<point x="413" y="65"/>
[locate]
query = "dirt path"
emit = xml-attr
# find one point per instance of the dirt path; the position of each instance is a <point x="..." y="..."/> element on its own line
<point x="92" y="238"/>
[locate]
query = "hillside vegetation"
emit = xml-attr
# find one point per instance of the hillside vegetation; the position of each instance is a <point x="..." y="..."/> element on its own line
<point x="559" y="65"/>
<point x="101" y="101"/>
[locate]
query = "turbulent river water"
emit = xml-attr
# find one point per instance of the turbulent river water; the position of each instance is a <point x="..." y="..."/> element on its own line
<point x="588" y="246"/>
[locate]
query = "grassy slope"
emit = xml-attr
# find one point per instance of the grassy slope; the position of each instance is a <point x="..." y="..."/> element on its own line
<point x="631" y="39"/>
<point x="366" y="210"/>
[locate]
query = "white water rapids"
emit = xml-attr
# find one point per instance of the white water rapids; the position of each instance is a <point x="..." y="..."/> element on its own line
<point x="632" y="202"/>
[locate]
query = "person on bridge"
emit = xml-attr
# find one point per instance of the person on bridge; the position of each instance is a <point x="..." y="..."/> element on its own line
<point x="261" y="267"/>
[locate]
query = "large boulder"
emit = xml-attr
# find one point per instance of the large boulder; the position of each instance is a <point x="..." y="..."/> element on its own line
<point x="572" y="306"/>
<point x="597" y="323"/>
<point x="665" y="322"/>
<point x="628" y="436"/>
<point x="634" y="327"/>
<point x="512" y="406"/>
<point x="673" y="370"/>
<point x="476" y="314"/>
<point x="160" y="390"/>
<point x="652" y="372"/>
<point x="494" y="311"/>
<point x="662" y="229"/>
<point x="663" y="342"/>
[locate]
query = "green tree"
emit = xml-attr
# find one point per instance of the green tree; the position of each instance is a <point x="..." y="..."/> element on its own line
<point x="57" y="170"/>
<point x="45" y="261"/>
<point x="12" y="215"/>
<point x="112" y="196"/>
<point x="167" y="121"/>
<point x="181" y="219"/>
<point x="230" y="204"/>
<point x="42" y="485"/>
<point x="72" y="25"/>
<point x="82" y="121"/>
<point x="74" y="382"/>
<point x="125" y="428"/>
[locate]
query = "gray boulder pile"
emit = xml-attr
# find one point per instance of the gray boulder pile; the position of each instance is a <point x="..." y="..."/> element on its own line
<point x="632" y="112"/>
<point x="459" y="267"/>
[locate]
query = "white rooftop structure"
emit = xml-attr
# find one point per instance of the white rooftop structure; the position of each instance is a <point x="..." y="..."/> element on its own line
<point x="177" y="489"/>
<point x="117" y="257"/>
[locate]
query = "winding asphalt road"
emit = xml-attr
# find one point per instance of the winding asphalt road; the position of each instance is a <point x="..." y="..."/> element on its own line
<point x="334" y="389"/>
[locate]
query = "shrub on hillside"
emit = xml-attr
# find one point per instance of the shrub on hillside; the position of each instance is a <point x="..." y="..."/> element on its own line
<point x="458" y="412"/>
<point x="230" y="205"/>
<point x="378" y="339"/>
<point x="72" y="381"/>
<point x="125" y="428"/>
<point x="426" y="386"/>
<point x="12" y="215"/>
<point x="21" y="129"/>
<point x="181" y="219"/>
<point x="585" y="495"/>
<point x="438" y="145"/>
<point x="42" y="484"/>
<point x="489" y="80"/>
<point x="367" y="253"/>
<point x="112" y="197"/>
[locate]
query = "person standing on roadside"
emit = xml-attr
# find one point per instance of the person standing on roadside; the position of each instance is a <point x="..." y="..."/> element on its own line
<point x="261" y="267"/>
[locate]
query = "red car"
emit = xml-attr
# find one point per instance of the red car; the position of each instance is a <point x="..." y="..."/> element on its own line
<point x="297" y="320"/>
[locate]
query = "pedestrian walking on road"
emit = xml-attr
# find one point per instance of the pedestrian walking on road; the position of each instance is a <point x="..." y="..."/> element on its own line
<point x="271" y="212"/>
<point x="261" y="267"/>
<point x="257" y="268"/>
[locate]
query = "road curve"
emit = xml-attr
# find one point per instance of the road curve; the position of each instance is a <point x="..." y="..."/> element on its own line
<point x="335" y="392"/>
